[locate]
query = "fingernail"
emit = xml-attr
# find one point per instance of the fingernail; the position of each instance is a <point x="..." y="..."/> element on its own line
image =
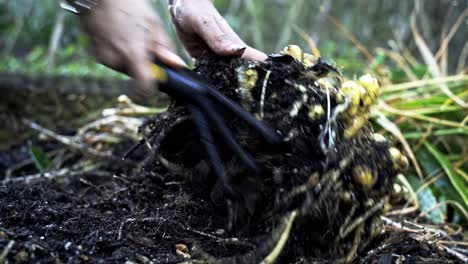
<point x="254" y="55"/>
<point x="173" y="59"/>
<point x="179" y="61"/>
<point x="237" y="50"/>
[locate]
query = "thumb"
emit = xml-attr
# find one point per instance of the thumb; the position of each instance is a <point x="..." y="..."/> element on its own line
<point x="146" y="83"/>
<point x="167" y="56"/>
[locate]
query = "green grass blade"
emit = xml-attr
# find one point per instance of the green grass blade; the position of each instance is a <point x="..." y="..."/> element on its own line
<point x="41" y="161"/>
<point x="440" y="132"/>
<point x="456" y="180"/>
<point x="427" y="201"/>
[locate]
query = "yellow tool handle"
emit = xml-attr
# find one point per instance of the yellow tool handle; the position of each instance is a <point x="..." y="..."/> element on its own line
<point x="159" y="72"/>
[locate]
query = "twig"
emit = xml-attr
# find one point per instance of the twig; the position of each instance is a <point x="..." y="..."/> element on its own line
<point x="413" y="115"/>
<point x="74" y="144"/>
<point x="450" y="35"/>
<point x="271" y="258"/>
<point x="400" y="61"/>
<point x="419" y="228"/>
<point x="459" y="256"/>
<point x="262" y="97"/>
<point x="232" y="240"/>
<point x="13" y="168"/>
<point x="370" y="212"/>
<point x="26" y="162"/>
<point x="68" y="141"/>
<point x="65" y="172"/>
<point x="121" y="124"/>
<point x="427" y="233"/>
<point x="46" y="175"/>
<point x="6" y="251"/>
<point x="356" y="242"/>
<point x="424" y="83"/>
<point x="464" y="251"/>
<point x="460" y="243"/>
<point x="430" y="60"/>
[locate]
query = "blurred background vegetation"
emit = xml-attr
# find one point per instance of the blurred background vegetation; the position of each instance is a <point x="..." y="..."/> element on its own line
<point x="28" y="43"/>
<point x="417" y="49"/>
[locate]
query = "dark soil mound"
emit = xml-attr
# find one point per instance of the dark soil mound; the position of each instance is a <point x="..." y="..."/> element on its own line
<point x="332" y="186"/>
<point x="319" y="197"/>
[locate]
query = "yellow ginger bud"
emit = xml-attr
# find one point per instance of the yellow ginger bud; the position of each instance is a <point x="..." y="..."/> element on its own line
<point x="364" y="176"/>
<point x="294" y="51"/>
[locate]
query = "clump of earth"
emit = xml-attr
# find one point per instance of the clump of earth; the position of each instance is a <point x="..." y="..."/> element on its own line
<point x="318" y="197"/>
<point x="324" y="190"/>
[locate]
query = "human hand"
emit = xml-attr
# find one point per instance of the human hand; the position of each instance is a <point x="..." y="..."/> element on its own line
<point x="200" y="27"/>
<point x="126" y="35"/>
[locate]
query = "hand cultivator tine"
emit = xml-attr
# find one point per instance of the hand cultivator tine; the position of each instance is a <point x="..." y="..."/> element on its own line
<point x="225" y="133"/>
<point x="267" y="133"/>
<point x="206" y="137"/>
<point x="205" y="104"/>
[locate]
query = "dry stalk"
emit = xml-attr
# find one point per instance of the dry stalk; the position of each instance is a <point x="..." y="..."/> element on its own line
<point x="271" y="258"/>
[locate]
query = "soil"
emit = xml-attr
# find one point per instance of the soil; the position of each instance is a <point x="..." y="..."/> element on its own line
<point x="165" y="205"/>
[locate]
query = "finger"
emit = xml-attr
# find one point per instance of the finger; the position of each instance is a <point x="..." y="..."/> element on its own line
<point x="107" y="54"/>
<point x="160" y="37"/>
<point x="145" y="82"/>
<point x="194" y="45"/>
<point x="161" y="47"/>
<point x="249" y="53"/>
<point x="191" y="32"/>
<point x="218" y="40"/>
<point x="191" y="41"/>
<point x="254" y="55"/>
<point x="167" y="56"/>
<point x="227" y="29"/>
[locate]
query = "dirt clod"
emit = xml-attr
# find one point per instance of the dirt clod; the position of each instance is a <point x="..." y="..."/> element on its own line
<point x="319" y="197"/>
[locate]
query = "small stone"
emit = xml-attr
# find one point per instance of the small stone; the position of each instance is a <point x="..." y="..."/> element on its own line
<point x="21" y="256"/>
<point x="67" y="245"/>
<point x="143" y="259"/>
<point x="3" y="235"/>
<point x="220" y="232"/>
<point x="182" y="248"/>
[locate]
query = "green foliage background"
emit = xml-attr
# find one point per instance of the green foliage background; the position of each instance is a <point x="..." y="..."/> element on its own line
<point x="26" y="27"/>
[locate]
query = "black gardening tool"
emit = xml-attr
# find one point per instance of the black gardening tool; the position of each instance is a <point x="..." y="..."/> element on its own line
<point x="207" y="106"/>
